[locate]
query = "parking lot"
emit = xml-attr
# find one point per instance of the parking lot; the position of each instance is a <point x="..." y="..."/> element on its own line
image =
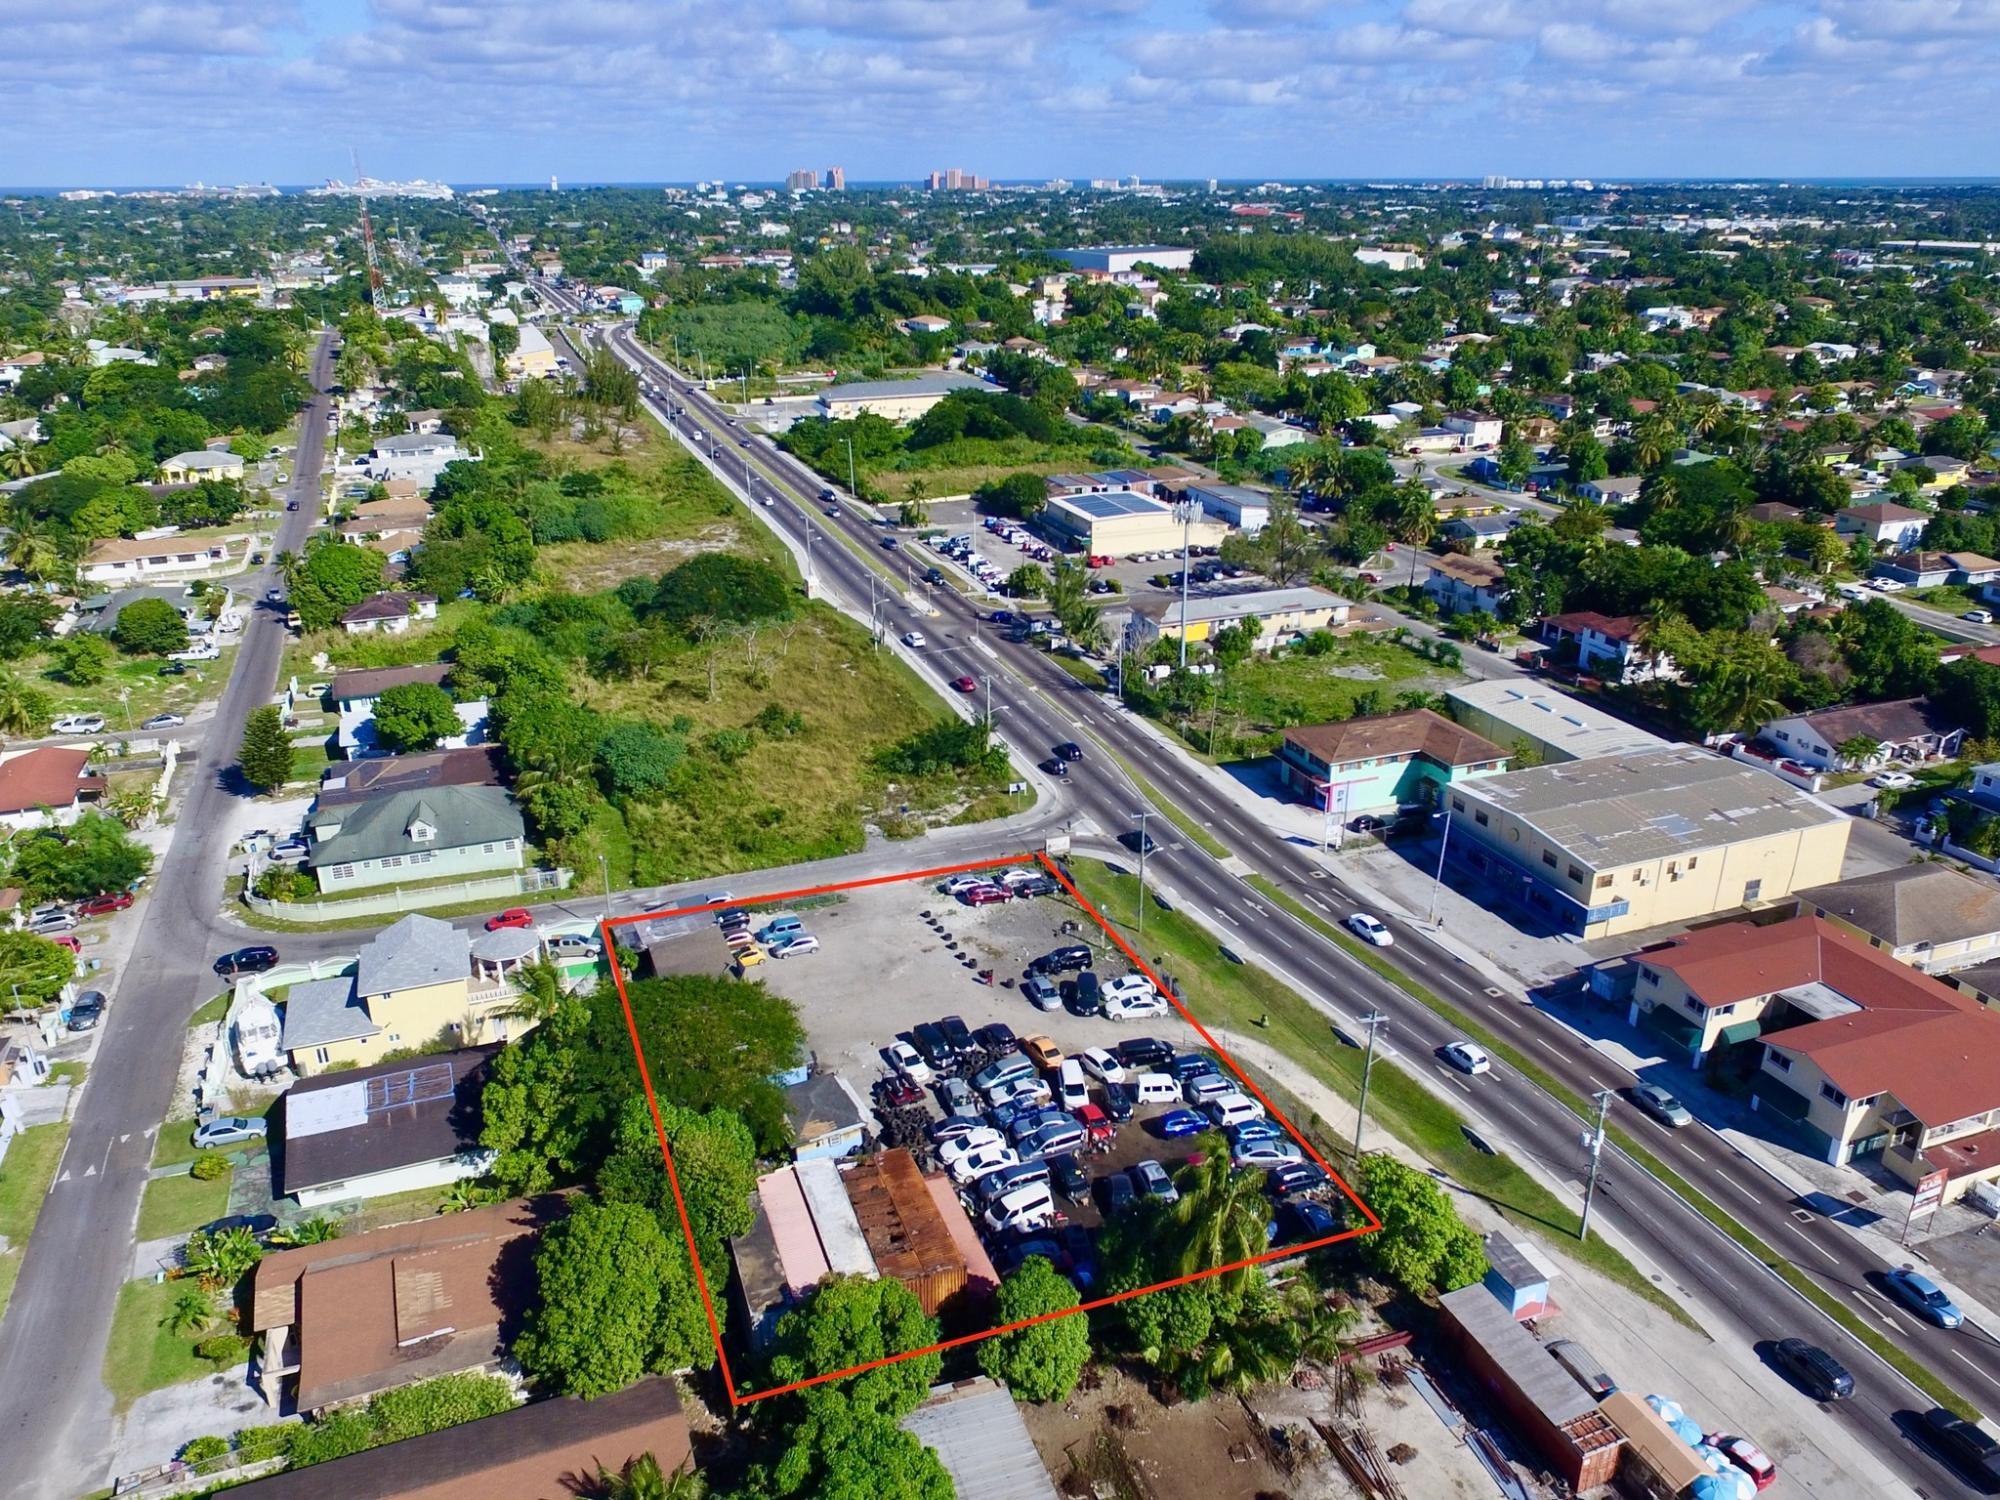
<point x="892" y="962"/>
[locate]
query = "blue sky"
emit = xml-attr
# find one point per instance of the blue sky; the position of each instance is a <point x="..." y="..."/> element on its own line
<point x="108" y="91"/>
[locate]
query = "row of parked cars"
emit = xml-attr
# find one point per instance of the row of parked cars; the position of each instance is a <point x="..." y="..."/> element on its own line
<point x="1020" y="883"/>
<point x="783" y="936"/>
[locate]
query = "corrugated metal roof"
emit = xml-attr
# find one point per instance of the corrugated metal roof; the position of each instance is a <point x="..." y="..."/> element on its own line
<point x="976" y="1431"/>
<point x="833" y="1218"/>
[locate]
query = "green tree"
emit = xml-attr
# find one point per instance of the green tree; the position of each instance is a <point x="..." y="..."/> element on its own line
<point x="24" y="708"/>
<point x="83" y="658"/>
<point x="32" y="969"/>
<point x="1516" y="459"/>
<point x="150" y="627"/>
<point x="842" y="1455"/>
<point x="1286" y="549"/>
<point x="643" y="1479"/>
<point x="331" y="577"/>
<point x="721" y="588"/>
<point x="715" y="1162"/>
<point x="618" y="1301"/>
<point x="852" y="1320"/>
<point x="223" y="1257"/>
<point x="539" y="1110"/>
<point x="1422" y="1244"/>
<point x="1043" y="1362"/>
<point x="637" y="759"/>
<point x="94" y="854"/>
<point x="265" y="756"/>
<point x="1021" y="496"/>
<point x="415" y="716"/>
<point x="1028" y="582"/>
<point x="191" y="1313"/>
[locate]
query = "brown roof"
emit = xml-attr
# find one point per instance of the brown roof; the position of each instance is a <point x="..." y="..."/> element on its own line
<point x="390" y="606"/>
<point x="126" y="549"/>
<point x="535" y="1452"/>
<point x="384" y="1134"/>
<point x="1889" y="723"/>
<point x="372" y="682"/>
<point x="1417" y="732"/>
<point x="403" y="1303"/>
<point x="357" y="780"/>
<point x="1740" y="960"/>
<point x="48" y="777"/>
<point x="1612" y="627"/>
<point x="1883" y="510"/>
<point x="1941" y="1068"/>
<point x="1481" y="572"/>
<point x="900" y="1220"/>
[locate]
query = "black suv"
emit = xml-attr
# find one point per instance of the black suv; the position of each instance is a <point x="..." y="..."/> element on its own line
<point x="257" y="960"/>
<point x="1144" y="1053"/>
<point x="1082" y="996"/>
<point x="957" y="1036"/>
<point x="1816" y="1372"/>
<point x="1056" y="960"/>
<point x="1139" y="842"/>
<point x="929" y="1040"/>
<point x="1070" y="750"/>
<point x="1963" y="1445"/>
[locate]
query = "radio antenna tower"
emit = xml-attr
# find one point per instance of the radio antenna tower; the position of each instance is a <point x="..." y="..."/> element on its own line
<point x="367" y="234"/>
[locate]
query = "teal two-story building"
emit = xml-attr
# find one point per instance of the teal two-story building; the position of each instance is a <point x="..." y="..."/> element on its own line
<point x="1385" y="761"/>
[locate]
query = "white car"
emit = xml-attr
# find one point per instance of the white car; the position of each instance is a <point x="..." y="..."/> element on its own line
<point x="1135" y="1007"/>
<point x="906" y="1060"/>
<point x="1893" y="781"/>
<point x="1466" y="1057"/>
<point x="914" y="638"/>
<point x="79" y="724"/>
<point x="952" y="1152"/>
<point x="1129" y="987"/>
<point x="1978" y="616"/>
<point x="1030" y="1091"/>
<point x="1887" y="585"/>
<point x="978" y="1162"/>
<point x="1370" y="930"/>
<point x="961" y="883"/>
<point x="1103" y="1065"/>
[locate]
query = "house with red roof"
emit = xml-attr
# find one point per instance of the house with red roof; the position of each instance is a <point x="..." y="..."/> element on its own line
<point x="49" y="785"/>
<point x="1866" y="1055"/>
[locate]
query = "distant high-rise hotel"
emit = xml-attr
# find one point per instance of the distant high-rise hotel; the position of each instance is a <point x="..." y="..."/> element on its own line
<point x="954" y="179"/>
<point x="804" y="180"/>
<point x="836" y="179"/>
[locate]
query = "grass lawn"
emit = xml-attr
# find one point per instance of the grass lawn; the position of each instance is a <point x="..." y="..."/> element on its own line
<point x="211" y="1010"/>
<point x="174" y="1143"/>
<point x="142" y="1354"/>
<point x="309" y="760"/>
<point x="69" y="1072"/>
<point x="1239" y="997"/>
<point x="941" y="484"/>
<point x="1948" y="597"/>
<point x="25" y="1175"/>
<point x="133" y="691"/>
<point x="174" y="1204"/>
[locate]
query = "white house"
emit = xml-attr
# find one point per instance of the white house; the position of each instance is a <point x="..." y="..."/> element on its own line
<point x="389" y="614"/>
<point x="203" y="463"/>
<point x="1463" y="584"/>
<point x="1906" y="731"/>
<point x="1476" y="429"/>
<point x="1883" y="523"/>
<point x="127" y="560"/>
<point x="1609" y="491"/>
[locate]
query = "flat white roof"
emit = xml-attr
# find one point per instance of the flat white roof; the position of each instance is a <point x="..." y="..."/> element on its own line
<point x="1579" y="729"/>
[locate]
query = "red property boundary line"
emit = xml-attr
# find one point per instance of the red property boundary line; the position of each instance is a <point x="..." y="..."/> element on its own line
<point x="1369" y="1226"/>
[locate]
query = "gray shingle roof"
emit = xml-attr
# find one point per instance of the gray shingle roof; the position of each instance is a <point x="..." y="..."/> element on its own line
<point x="379" y="826"/>
<point x="941" y="382"/>
<point x="324" y="1010"/>
<point x="417" y="951"/>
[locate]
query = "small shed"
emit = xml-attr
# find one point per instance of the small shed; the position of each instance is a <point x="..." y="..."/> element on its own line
<point x="1518" y="1278"/>
<point x="825" y="1117"/>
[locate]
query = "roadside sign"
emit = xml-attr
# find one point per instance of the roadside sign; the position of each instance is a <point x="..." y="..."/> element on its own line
<point x="1925" y="1200"/>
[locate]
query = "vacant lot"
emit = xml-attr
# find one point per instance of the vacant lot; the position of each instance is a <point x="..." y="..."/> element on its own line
<point x="25" y="1174"/>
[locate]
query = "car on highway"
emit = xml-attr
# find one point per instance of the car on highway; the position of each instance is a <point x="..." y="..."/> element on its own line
<point x="1964" y="1445"/>
<point x="104" y="903"/>
<point x="1978" y="616"/>
<point x="1893" y="781"/>
<point x="1139" y="841"/>
<point x="228" y="1130"/>
<point x="1069" y="750"/>
<point x="1467" y="1057"/>
<point x="914" y="639"/>
<point x="163" y="721"/>
<point x="1651" y="1099"/>
<point x="86" y="1011"/>
<point x="1370" y="929"/>
<point x="79" y="724"/>
<point x="796" y="946"/>
<point x="1176" y="1123"/>
<point x="513" y="916"/>
<point x="964" y="685"/>
<point x="254" y="960"/>
<point x="1813" y="1370"/>
<point x="1053" y="767"/>
<point x="1923" y="1297"/>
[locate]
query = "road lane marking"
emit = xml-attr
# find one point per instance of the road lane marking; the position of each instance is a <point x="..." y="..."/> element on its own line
<point x="1510" y="1019"/>
<point x="1223" y="912"/>
<point x="1814" y="1243"/>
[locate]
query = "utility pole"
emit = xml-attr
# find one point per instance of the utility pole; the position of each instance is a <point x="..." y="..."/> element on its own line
<point x="604" y="863"/>
<point x="1374" y="1021"/>
<point x="853" y="493"/>
<point x="1142" y="816"/>
<point x="989" y="703"/>
<point x="1595" y="1140"/>
<point x="1185" y="510"/>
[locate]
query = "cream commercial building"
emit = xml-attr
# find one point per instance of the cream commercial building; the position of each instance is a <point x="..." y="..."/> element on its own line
<point x="1623" y="843"/>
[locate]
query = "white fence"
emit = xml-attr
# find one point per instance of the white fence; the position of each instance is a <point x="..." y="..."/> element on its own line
<point x="402" y="899"/>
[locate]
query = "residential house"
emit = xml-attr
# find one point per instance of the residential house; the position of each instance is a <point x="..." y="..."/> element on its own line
<point x="391" y="1128"/>
<point x="896" y="400"/>
<point x="131" y="559"/>
<point x="543" y="1448"/>
<point x="23" y="432"/>
<point x="1904" y="730"/>
<point x="389" y="613"/>
<point x="1478" y="531"/>
<point x="1621" y="843"/>
<point x="415" y="981"/>
<point x="1620" y="490"/>
<point x="418" y="456"/>
<point x="420" y="835"/>
<point x="926" y="323"/>
<point x="1936" y="471"/>
<point x="1382" y="762"/>
<point x="1281" y="615"/>
<point x="1932" y="916"/>
<point x="1931" y="569"/>
<point x="1277" y="433"/>
<point x="1774" y="513"/>
<point x="976" y="1429"/>
<point x="14" y="366"/>
<point x="349" y="781"/>
<point x="1882" y="523"/>
<point x="825" y="1117"/>
<point x="202" y="463"/>
<point x="355" y="692"/>
<point x="1607" y="646"/>
<point x="425" y="420"/>
<point x="1475" y="429"/>
<point x="1868" y="1057"/>
<point x="367" y="1312"/>
<point x="534" y="357"/>
<point x="49" y="786"/>
<point x="1461" y="584"/>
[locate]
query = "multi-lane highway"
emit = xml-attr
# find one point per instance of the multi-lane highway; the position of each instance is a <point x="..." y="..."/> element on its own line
<point x="1037" y="704"/>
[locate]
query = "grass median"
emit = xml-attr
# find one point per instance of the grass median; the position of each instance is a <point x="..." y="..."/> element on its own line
<point x="1902" y="1362"/>
<point x="1252" y="1002"/>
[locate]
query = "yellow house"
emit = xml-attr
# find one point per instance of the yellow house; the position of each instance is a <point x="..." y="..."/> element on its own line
<point x="1281" y="614"/>
<point x="415" y="982"/>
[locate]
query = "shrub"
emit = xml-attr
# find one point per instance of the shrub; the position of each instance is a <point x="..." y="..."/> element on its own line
<point x="201" y="1449"/>
<point x="223" y="1350"/>
<point x="254" y="1444"/>
<point x="208" y="1166"/>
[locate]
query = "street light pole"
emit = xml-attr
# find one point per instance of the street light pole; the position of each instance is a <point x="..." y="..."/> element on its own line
<point x="1374" y="1021"/>
<point x="852" y="492"/>
<point x="1603" y="1097"/>
<point x="1142" y="816"/>
<point x="604" y="863"/>
<point x="1437" y="880"/>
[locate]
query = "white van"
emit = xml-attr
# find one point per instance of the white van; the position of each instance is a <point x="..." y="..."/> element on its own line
<point x="1071" y="1090"/>
<point x="1156" y="1088"/>
<point x="1234" y="1108"/>
<point x="1030" y="1207"/>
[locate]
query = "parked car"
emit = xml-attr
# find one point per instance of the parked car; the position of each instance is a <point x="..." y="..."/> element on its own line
<point x="983" y="895"/>
<point x="1296" y="1178"/>
<point x="1233" y="1108"/>
<point x="163" y="721"/>
<point x="1054" y="1139"/>
<point x="895" y="1092"/>
<point x="1083" y="996"/>
<point x="1651" y="1099"/>
<point x="1265" y="1154"/>
<point x="1178" y="1123"/>
<point x="1370" y="930"/>
<point x="1042" y="1052"/>
<point x="997" y="1038"/>
<point x="1466" y="1057"/>
<point x="796" y="946"/>
<point x="1978" y="616"/>
<point x="1255" y="1130"/>
<point x="1041" y="993"/>
<point x="253" y="960"/>
<point x="1136" y="1007"/>
<point x="1151" y="1179"/>
<point x="79" y="724"/>
<point x="1003" y="1180"/>
<point x="1103" y="1065"/>
<point x="953" y="1127"/>
<point x="228" y="1130"/>
<point x="957" y="1035"/>
<point x="574" y="945"/>
<point x="959" y="883"/>
<point x="1061" y="960"/>
<point x="978" y="1162"/>
<point x="1204" y="1087"/>
<point x="1004" y="1070"/>
<point x="1923" y="1297"/>
<point x="1120" y="1102"/>
<point x="973" y="1140"/>
<point x="86" y="1011"/>
<point x="1964" y="1445"/>
<point x="104" y="903"/>
<point x="1893" y="781"/>
<point x="1747" y="1456"/>
<point x="1180" y="1068"/>
<point x="1069" y="1177"/>
<point x="513" y="916"/>
<point x="1816" y="1372"/>
<point x="1129" y="986"/>
<point x="1305" y="1220"/>
<point x="1584" y="1370"/>
<point x="1115" y="1193"/>
<point x="955" y="1097"/>
<point x="905" y="1060"/>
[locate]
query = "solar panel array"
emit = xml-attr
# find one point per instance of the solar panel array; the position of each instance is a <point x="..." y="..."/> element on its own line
<point x="420" y="1085"/>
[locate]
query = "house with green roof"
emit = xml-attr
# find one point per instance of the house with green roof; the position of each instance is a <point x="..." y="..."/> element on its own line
<point x="421" y="834"/>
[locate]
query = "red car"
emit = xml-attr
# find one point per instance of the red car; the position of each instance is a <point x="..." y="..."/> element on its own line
<point x="104" y="904"/>
<point x="66" y="941"/>
<point x="513" y="916"/>
<point x="897" y="1093"/>
<point x="1096" y="1124"/>
<point x="983" y="895"/>
<point x="965" y="684"/>
<point x="1747" y="1456"/>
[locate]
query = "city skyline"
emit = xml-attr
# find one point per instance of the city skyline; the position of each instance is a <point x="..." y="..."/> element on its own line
<point x="1605" y="89"/>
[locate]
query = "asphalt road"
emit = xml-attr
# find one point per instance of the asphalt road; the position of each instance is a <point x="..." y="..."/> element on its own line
<point x="55" y="1414"/>
<point x="1038" y="704"/>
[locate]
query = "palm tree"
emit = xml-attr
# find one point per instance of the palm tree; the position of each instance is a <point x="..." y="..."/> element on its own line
<point x="24" y="708"/>
<point x="1653" y="440"/>
<point x="541" y="993"/>
<point x="1706" y="415"/>
<point x="1220" y="1216"/>
<point x="314" y="1231"/>
<point x="19" y="461"/>
<point x="37" y="557"/>
<point x="1413" y="522"/>
<point x="191" y="1311"/>
<point x="642" y="1479"/>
